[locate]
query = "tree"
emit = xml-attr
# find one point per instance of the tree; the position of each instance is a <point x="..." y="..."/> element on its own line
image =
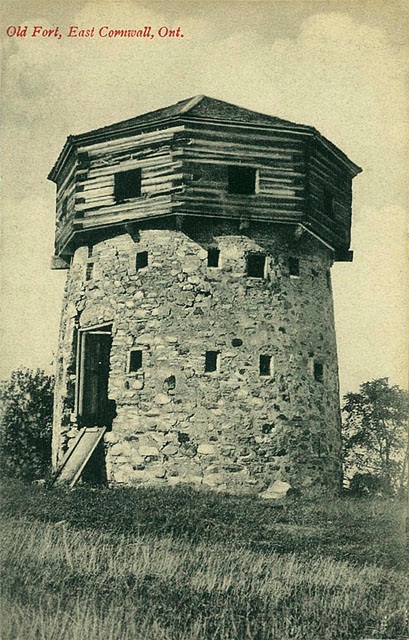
<point x="26" y="424"/>
<point x="376" y="437"/>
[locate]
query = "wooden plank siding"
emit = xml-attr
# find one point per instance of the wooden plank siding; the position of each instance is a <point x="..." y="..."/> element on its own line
<point x="92" y="202"/>
<point x="208" y="151"/>
<point x="325" y="173"/>
<point x="184" y="170"/>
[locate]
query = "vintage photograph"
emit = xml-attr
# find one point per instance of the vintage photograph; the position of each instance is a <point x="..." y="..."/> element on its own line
<point x="204" y="420"/>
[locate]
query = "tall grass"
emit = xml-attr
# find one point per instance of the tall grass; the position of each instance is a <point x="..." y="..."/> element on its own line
<point x="359" y="531"/>
<point x="61" y="584"/>
<point x="65" y="581"/>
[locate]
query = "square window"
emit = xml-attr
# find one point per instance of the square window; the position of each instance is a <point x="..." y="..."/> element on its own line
<point x="213" y="257"/>
<point x="242" y="180"/>
<point x="170" y="382"/>
<point x="89" y="271"/>
<point x="294" y="266"/>
<point x="127" y="185"/>
<point x="141" y="260"/>
<point x="318" y="371"/>
<point x="328" y="203"/>
<point x="256" y="264"/>
<point x="265" y="365"/>
<point x="211" y="361"/>
<point x="135" y="360"/>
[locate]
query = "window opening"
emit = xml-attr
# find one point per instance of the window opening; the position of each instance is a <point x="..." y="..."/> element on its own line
<point x="141" y="260"/>
<point x="318" y="371"/>
<point x="294" y="266"/>
<point x="242" y="180"/>
<point x="127" y="185"/>
<point x="135" y="361"/>
<point x="211" y="361"/>
<point x="213" y="257"/>
<point x="170" y="383"/>
<point x="256" y="263"/>
<point x="89" y="271"/>
<point x="328" y="203"/>
<point x="267" y="428"/>
<point x="265" y="365"/>
<point x="90" y="251"/>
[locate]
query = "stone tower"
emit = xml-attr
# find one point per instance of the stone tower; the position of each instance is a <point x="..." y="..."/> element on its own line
<point x="197" y="331"/>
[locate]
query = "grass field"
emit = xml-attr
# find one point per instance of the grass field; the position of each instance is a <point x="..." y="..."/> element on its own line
<point x="175" y="564"/>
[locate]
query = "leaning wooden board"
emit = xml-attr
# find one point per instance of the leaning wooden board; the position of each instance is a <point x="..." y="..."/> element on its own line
<point x="78" y="455"/>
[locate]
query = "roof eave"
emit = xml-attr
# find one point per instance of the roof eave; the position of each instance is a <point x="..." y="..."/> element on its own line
<point x="340" y="155"/>
<point x="101" y="135"/>
<point x="292" y="128"/>
<point x="107" y="133"/>
<point x="63" y="157"/>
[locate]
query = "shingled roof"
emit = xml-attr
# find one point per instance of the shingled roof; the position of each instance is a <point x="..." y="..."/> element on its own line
<point x="201" y="107"/>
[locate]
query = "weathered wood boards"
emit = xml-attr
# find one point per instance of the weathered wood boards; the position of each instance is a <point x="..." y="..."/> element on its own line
<point x="184" y="162"/>
<point x="279" y="161"/>
<point x="76" y="458"/>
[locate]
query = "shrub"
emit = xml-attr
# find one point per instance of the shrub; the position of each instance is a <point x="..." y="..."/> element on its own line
<point x="368" y="484"/>
<point x="25" y="424"/>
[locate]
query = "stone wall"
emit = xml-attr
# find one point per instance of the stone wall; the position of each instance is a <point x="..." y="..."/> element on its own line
<point x="232" y="429"/>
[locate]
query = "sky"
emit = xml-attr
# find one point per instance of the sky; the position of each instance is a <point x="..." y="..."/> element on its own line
<point x="340" y="66"/>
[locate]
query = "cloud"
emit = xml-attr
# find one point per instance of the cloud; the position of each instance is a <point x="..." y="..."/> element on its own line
<point x="342" y="76"/>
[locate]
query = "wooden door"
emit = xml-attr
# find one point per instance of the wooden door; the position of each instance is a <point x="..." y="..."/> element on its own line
<point x="94" y="407"/>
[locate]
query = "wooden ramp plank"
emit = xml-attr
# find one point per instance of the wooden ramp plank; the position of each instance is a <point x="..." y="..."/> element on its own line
<point x="77" y="456"/>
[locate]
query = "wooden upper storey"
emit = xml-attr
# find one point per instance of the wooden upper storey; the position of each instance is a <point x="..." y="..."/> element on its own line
<point x="207" y="158"/>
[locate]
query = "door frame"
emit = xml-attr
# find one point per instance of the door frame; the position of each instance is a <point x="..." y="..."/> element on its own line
<point x="102" y="328"/>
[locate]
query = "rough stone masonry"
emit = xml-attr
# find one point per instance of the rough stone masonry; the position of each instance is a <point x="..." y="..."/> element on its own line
<point x="232" y="428"/>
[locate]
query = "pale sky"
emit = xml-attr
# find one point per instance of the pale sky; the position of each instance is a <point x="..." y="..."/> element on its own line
<point x="341" y="66"/>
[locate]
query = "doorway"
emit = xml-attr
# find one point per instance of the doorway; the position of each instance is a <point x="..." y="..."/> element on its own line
<point x="94" y="407"/>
